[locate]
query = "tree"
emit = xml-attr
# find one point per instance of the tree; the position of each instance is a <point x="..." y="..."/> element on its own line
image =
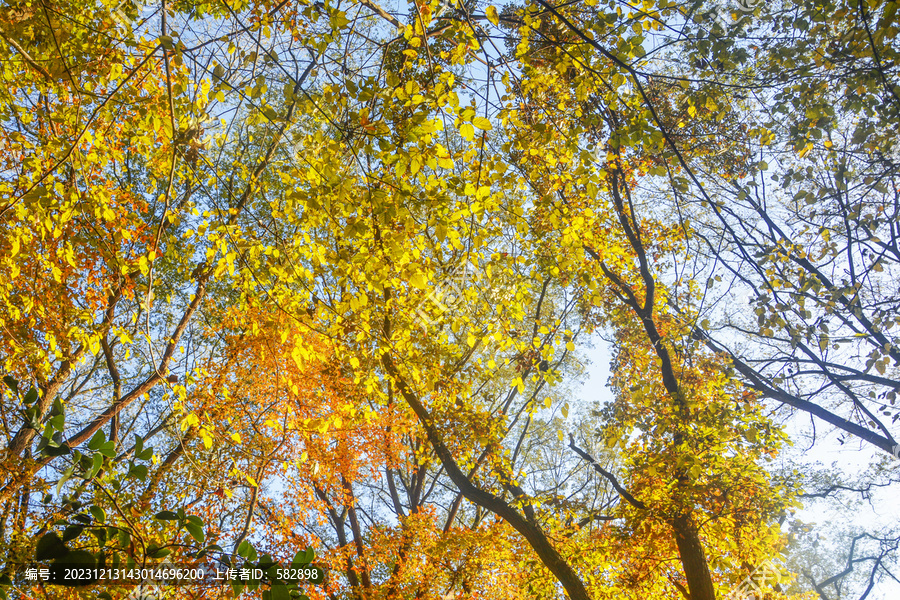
<point x="335" y="263"/>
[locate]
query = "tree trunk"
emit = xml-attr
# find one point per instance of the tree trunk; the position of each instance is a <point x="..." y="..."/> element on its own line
<point x="693" y="558"/>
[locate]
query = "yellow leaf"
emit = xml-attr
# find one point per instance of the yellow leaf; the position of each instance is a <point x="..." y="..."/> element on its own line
<point x="548" y="402"/>
<point x="491" y="13"/>
<point x="251" y="481"/>
<point x="467" y="131"/>
<point x="297" y="355"/>
<point x="570" y="346"/>
<point x="418" y="281"/>
<point x="482" y="123"/>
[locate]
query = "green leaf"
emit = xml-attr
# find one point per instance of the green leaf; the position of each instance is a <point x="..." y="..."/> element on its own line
<point x="12" y="384"/>
<point x="98" y="513"/>
<point x="139" y="471"/>
<point x="101" y="533"/>
<point x="246" y="550"/>
<point x="145" y="454"/>
<point x="124" y="538"/>
<point x="71" y="532"/>
<point x="166" y="515"/>
<point x="82" y="558"/>
<point x="266" y="562"/>
<point x="108" y="449"/>
<point x="303" y="557"/>
<point x="279" y="592"/>
<point x="155" y="552"/>
<point x="31" y="396"/>
<point x="95" y="467"/>
<point x="57" y="423"/>
<point x="196" y="531"/>
<point x="56" y="450"/>
<point x="98" y="440"/>
<point x="64" y="478"/>
<point x="57" y="411"/>
<point x="195" y="520"/>
<point x="50" y="547"/>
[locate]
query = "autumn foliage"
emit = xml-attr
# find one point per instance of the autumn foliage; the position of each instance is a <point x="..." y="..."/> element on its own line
<point x="312" y="284"/>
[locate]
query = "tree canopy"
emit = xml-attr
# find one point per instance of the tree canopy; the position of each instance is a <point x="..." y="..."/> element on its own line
<point x="314" y="284"/>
